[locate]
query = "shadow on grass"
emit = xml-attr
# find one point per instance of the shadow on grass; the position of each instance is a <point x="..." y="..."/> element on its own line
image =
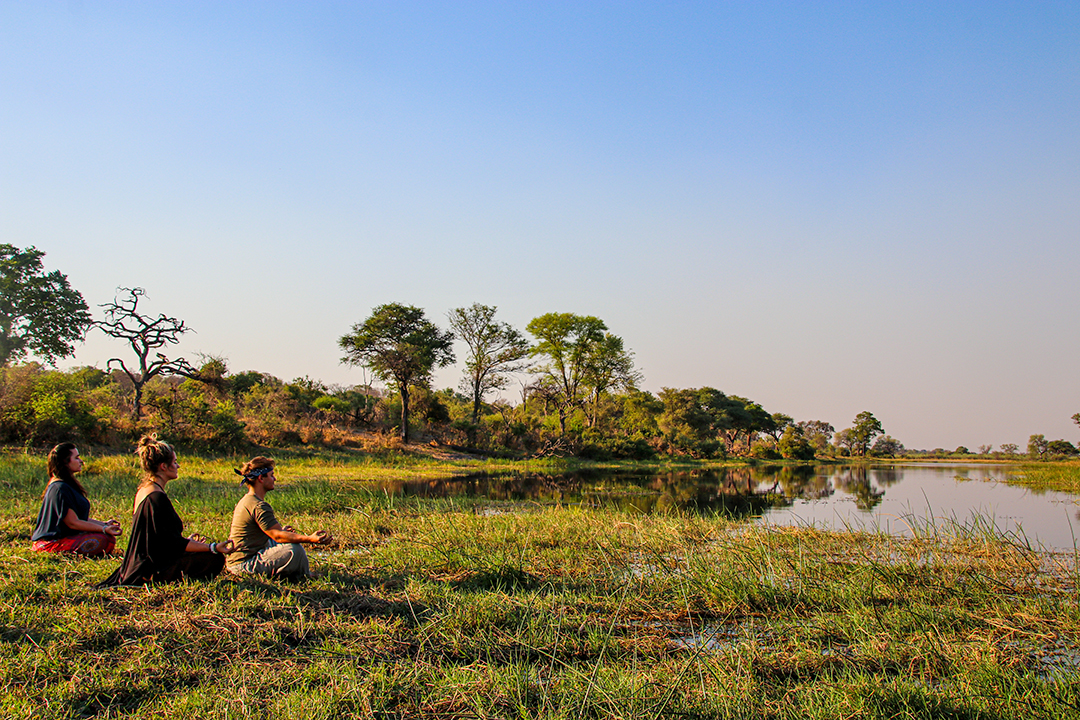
<point x="119" y="693"/>
<point x="350" y="595"/>
<point x="504" y="580"/>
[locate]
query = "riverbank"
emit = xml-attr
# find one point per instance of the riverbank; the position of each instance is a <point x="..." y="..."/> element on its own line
<point x="436" y="608"/>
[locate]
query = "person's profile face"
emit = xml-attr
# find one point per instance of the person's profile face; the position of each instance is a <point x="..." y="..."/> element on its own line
<point x="75" y="463"/>
<point x="170" y="470"/>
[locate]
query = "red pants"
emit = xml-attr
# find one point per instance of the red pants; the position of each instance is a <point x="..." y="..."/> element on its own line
<point x="91" y="544"/>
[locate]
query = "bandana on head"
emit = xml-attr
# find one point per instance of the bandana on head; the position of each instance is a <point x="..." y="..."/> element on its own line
<point x="253" y="475"/>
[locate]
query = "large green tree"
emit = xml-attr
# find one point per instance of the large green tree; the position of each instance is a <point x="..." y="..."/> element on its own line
<point x="400" y="346"/>
<point x="39" y="311"/>
<point x="566" y="341"/>
<point x="496" y="350"/>
<point x="688" y="420"/>
<point x="864" y="429"/>
<point x="818" y="433"/>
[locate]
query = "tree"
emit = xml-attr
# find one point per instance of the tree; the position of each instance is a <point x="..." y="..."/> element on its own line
<point x="1060" y="447"/>
<point x="780" y="422"/>
<point x="793" y="444"/>
<point x="640" y="410"/>
<point x="741" y="416"/>
<point x="1009" y="448"/>
<point x="568" y="342"/>
<point x="609" y="366"/>
<point x="400" y="346"/>
<point x="1037" y="445"/>
<point x="684" y="422"/>
<point x="818" y="433"/>
<point x="845" y="439"/>
<point x="887" y="446"/>
<point x="864" y="429"/>
<point x="39" y="312"/>
<point x="495" y="351"/>
<point x="123" y="321"/>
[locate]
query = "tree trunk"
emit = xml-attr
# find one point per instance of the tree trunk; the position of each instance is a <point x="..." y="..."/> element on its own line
<point x="404" y="414"/>
<point x="137" y="404"/>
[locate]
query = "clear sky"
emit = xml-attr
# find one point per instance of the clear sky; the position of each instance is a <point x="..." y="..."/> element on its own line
<point x="827" y="207"/>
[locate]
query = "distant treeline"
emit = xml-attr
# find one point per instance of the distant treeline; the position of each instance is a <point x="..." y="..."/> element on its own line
<point x="223" y="411"/>
<point x="580" y="391"/>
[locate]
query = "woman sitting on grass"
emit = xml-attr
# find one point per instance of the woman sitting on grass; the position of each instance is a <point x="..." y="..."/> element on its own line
<point x="64" y="524"/>
<point x="158" y="550"/>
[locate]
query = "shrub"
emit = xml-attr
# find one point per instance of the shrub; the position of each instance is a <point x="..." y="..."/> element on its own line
<point x="764" y="451"/>
<point x="794" y="445"/>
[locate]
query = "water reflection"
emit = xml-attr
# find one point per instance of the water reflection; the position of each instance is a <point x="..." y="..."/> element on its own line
<point x="891" y="498"/>
<point x="856" y="482"/>
<point x="729" y="492"/>
<point x="736" y="491"/>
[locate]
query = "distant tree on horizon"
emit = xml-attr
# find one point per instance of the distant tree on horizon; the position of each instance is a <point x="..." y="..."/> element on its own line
<point x="401" y="346"/>
<point x="858" y="438"/>
<point x="567" y="341"/>
<point x="496" y="350"/>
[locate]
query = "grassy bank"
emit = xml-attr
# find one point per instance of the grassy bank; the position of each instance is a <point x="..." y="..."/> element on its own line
<point x="1059" y="476"/>
<point x="444" y="609"/>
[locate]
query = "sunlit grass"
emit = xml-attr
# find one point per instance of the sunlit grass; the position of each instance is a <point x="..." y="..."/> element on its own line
<point x="1059" y="476"/>
<point x="430" y="609"/>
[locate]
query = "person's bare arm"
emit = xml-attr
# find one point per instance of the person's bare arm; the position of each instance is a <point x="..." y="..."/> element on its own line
<point x="110" y="527"/>
<point x="281" y="534"/>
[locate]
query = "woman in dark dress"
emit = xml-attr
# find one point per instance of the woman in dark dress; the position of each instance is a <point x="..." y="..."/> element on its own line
<point x="158" y="550"/>
<point x="63" y="523"/>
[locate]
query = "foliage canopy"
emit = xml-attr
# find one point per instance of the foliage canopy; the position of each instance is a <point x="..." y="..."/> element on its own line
<point x="400" y="346"/>
<point x="39" y="312"/>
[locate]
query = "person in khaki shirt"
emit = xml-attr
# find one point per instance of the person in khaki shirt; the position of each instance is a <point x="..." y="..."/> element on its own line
<point x="261" y="545"/>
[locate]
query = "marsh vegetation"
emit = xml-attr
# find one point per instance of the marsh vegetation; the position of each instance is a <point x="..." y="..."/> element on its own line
<point x="454" y="607"/>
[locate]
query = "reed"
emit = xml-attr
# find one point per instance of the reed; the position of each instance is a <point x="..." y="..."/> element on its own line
<point x="1059" y="476"/>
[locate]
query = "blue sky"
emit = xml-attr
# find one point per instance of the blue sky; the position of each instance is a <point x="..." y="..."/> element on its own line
<point x="826" y="207"/>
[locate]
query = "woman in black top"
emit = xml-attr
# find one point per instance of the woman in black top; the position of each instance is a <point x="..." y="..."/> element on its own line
<point x="63" y="523"/>
<point x="158" y="551"/>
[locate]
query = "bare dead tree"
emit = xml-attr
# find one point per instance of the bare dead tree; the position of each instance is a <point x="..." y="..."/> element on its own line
<point x="145" y="335"/>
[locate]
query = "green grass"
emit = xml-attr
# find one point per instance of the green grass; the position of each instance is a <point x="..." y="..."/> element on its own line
<point x="1059" y="476"/>
<point x="434" y="609"/>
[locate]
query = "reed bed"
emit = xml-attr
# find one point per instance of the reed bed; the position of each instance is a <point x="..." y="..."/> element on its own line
<point x="1059" y="476"/>
<point x="442" y="609"/>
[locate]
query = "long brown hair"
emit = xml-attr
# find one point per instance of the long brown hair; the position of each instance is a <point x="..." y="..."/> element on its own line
<point x="59" y="459"/>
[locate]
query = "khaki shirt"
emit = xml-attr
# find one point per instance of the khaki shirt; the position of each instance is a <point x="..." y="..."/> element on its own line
<point x="250" y="521"/>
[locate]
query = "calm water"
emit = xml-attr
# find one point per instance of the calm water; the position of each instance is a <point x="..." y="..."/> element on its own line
<point x="890" y="498"/>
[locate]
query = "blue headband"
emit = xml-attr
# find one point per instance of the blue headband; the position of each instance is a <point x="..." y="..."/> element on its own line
<point x="252" y="475"/>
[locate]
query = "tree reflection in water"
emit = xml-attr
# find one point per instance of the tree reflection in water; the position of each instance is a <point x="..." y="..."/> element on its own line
<point x="856" y="481"/>
<point x="733" y="492"/>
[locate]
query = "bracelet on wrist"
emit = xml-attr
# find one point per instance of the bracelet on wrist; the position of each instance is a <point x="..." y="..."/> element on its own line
<point x="213" y="547"/>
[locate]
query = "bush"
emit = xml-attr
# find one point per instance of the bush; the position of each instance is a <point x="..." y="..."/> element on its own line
<point x="623" y="448"/>
<point x="39" y="407"/>
<point x="764" y="451"/>
<point x="794" y="445"/>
